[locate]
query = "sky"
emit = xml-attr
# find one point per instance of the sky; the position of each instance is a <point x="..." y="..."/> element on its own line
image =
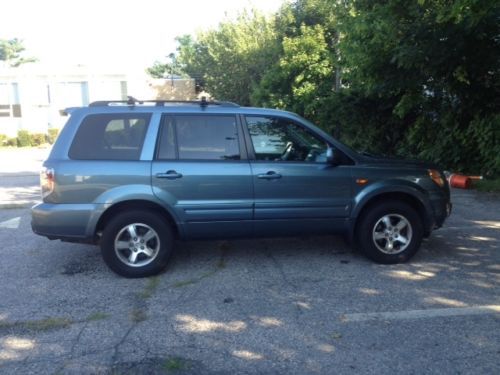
<point x="124" y="35"/>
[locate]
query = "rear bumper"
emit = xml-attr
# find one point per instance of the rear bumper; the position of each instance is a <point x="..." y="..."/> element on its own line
<point x="69" y="222"/>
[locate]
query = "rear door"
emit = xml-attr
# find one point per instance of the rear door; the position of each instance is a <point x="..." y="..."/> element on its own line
<point x="201" y="171"/>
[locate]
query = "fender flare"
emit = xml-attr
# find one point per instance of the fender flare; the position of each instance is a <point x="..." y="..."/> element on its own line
<point x="128" y="193"/>
<point x="386" y="187"/>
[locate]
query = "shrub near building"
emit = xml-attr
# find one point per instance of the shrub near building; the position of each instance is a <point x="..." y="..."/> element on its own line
<point x="23" y="138"/>
<point x="27" y="139"/>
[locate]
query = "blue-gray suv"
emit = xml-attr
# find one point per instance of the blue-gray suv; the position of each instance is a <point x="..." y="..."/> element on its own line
<point x="135" y="176"/>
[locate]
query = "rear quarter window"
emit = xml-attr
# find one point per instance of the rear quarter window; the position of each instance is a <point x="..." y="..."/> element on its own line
<point x="110" y="137"/>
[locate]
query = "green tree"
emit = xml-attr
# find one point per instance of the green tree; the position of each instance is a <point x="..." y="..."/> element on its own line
<point x="418" y="77"/>
<point x="302" y="76"/>
<point x="169" y="68"/>
<point x="435" y="63"/>
<point x="229" y="61"/>
<point x="11" y="51"/>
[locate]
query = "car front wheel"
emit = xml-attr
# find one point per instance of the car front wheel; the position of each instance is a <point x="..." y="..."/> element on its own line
<point x="390" y="232"/>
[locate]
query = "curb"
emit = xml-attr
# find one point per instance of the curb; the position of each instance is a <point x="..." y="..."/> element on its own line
<point x="17" y="174"/>
<point x="12" y="205"/>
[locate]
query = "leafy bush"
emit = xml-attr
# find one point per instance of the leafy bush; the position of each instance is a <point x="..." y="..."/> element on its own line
<point x="52" y="135"/>
<point x="11" y="142"/>
<point x="26" y="139"/>
<point x="485" y="132"/>
<point x="418" y="78"/>
<point x="37" y="139"/>
<point x="23" y="138"/>
<point x="488" y="185"/>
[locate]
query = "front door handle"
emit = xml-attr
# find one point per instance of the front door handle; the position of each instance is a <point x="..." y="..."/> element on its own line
<point x="271" y="175"/>
<point x="171" y="175"/>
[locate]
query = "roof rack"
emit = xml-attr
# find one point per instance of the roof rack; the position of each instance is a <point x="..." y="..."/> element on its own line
<point x="131" y="101"/>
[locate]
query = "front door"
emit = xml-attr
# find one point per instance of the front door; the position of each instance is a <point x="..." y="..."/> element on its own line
<point x="200" y="171"/>
<point x="295" y="189"/>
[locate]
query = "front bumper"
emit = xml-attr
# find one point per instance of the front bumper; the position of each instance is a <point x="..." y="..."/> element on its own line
<point x="442" y="208"/>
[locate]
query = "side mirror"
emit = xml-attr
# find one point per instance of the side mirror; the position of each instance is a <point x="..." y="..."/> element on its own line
<point x="332" y="156"/>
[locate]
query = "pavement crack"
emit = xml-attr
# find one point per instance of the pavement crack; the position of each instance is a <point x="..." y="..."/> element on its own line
<point x="116" y="348"/>
<point x="77" y="339"/>
<point x="281" y="271"/>
<point x="278" y="266"/>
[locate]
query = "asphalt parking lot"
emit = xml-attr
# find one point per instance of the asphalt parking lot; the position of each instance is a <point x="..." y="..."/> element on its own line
<point x="285" y="306"/>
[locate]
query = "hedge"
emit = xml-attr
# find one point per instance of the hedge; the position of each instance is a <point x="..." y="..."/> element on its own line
<point x="27" y="139"/>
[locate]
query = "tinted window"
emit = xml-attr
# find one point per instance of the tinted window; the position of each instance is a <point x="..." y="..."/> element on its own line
<point x="110" y="137"/>
<point x="283" y="140"/>
<point x="199" y="137"/>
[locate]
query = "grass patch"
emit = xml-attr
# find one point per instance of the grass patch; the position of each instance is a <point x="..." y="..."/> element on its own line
<point x="138" y="315"/>
<point x="183" y="283"/>
<point x="175" y="364"/>
<point x="336" y="335"/>
<point x="488" y="185"/>
<point x="150" y="288"/>
<point x="220" y="265"/>
<point x="47" y="324"/>
<point x="180" y="284"/>
<point x="41" y="325"/>
<point x="97" y="316"/>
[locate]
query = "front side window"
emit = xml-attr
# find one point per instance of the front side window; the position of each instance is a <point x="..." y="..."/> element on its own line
<point x="199" y="137"/>
<point x="279" y="139"/>
<point x="110" y="137"/>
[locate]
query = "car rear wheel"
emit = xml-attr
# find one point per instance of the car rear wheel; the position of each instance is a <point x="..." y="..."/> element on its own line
<point x="137" y="243"/>
<point x="390" y="232"/>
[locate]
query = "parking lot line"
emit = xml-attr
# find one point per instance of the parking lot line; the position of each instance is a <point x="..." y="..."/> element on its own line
<point x="11" y="223"/>
<point x="421" y="314"/>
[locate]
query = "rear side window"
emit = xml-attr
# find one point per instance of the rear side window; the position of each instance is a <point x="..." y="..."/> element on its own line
<point x="199" y="137"/>
<point x="110" y="137"/>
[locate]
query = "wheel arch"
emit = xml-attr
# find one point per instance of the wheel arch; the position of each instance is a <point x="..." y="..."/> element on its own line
<point x="413" y="200"/>
<point x="135" y="204"/>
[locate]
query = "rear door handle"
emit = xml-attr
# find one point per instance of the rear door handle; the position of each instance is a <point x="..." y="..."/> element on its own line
<point x="271" y="175"/>
<point x="171" y="175"/>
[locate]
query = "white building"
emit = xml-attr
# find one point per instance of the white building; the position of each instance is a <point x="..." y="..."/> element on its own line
<point x="31" y="96"/>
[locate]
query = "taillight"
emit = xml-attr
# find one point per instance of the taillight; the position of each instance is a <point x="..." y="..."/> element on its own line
<point x="436" y="177"/>
<point x="47" y="181"/>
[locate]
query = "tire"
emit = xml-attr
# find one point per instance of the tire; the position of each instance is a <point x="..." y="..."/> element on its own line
<point x="144" y="254"/>
<point x="390" y="232"/>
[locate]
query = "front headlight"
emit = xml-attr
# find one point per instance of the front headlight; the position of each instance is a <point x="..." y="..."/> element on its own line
<point x="436" y="177"/>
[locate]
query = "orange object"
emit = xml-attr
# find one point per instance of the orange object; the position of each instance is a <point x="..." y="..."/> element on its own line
<point x="460" y="181"/>
<point x="362" y="181"/>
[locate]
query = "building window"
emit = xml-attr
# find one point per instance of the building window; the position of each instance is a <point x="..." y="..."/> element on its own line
<point x="10" y="110"/>
<point x="8" y="100"/>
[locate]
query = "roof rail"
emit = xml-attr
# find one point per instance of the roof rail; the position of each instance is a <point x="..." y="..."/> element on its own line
<point x="132" y="102"/>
